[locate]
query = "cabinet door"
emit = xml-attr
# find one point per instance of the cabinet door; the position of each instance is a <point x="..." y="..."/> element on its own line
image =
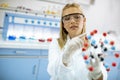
<point x="18" y="68"/>
<point x="43" y="74"/>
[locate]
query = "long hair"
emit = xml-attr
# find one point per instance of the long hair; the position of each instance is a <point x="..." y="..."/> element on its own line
<point x="63" y="33"/>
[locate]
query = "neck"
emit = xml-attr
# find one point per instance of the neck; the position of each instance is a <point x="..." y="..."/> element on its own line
<point x="73" y="35"/>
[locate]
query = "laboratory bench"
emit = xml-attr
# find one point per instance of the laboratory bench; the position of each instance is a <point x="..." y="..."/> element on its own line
<point x="23" y="60"/>
<point x="29" y="60"/>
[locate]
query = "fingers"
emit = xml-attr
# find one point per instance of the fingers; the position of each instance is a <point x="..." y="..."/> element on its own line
<point x="77" y="42"/>
<point x="96" y="58"/>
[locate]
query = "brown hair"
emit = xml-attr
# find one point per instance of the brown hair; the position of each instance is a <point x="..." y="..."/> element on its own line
<point x="63" y="33"/>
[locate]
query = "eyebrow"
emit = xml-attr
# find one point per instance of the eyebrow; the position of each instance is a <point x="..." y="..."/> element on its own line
<point x="73" y="14"/>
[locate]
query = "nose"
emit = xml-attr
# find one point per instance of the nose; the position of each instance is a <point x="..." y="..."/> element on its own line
<point x="72" y="20"/>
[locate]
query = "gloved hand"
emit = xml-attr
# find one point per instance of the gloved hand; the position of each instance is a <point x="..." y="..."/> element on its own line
<point x="71" y="46"/>
<point x="95" y="63"/>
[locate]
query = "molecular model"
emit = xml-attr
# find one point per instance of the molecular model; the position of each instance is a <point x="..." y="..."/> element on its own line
<point x="100" y="45"/>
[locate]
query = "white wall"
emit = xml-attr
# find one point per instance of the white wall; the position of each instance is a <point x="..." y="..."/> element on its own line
<point x="104" y="15"/>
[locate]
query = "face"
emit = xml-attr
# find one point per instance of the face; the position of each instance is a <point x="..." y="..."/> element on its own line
<point x="73" y="21"/>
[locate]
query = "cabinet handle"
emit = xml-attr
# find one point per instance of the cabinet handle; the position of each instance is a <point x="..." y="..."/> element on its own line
<point x="34" y="69"/>
<point x="20" y="52"/>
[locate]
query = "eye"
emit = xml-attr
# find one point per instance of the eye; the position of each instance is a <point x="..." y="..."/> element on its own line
<point x="66" y="18"/>
<point x="77" y="16"/>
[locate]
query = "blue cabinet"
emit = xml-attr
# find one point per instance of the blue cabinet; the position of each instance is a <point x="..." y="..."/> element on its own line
<point x="23" y="64"/>
<point x="18" y="68"/>
<point x="19" y="52"/>
<point x="43" y="74"/>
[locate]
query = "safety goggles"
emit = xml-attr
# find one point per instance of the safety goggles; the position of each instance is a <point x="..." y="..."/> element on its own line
<point x="76" y="16"/>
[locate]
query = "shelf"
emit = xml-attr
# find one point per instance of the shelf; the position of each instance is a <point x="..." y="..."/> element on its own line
<point x="19" y="27"/>
<point x="63" y="2"/>
<point x="15" y="9"/>
<point x="53" y="1"/>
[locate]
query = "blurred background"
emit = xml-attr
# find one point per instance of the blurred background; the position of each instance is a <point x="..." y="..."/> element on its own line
<point x="28" y="26"/>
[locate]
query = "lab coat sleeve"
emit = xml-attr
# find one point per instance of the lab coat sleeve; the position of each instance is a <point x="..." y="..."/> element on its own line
<point x="55" y="65"/>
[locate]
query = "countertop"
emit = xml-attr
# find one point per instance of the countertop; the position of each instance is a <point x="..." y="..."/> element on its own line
<point x="24" y="44"/>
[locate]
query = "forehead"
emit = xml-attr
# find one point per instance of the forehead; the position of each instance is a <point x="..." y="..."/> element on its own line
<point x="71" y="10"/>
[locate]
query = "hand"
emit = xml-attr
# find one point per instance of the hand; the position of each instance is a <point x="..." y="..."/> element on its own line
<point x="95" y="63"/>
<point x="71" y="46"/>
<point x="74" y="44"/>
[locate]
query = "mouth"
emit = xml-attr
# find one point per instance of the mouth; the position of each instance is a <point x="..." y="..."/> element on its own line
<point x="74" y="27"/>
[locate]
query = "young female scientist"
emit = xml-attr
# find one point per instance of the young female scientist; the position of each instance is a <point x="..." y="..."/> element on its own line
<point x="65" y="56"/>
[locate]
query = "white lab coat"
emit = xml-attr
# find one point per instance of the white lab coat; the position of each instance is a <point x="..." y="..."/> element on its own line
<point x="77" y="69"/>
